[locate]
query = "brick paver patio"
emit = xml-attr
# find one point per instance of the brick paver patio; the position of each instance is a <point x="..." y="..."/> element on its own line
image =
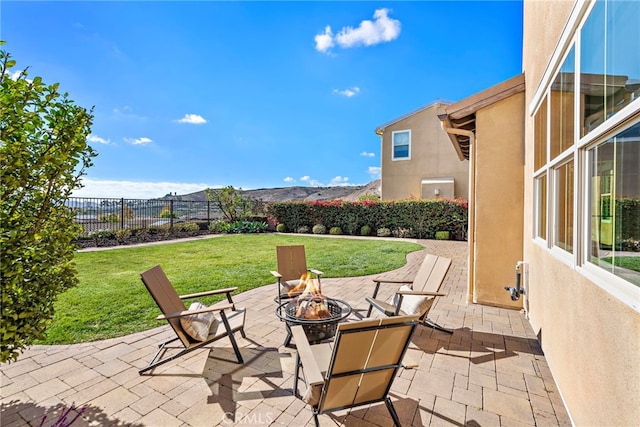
<point x="490" y="372"/>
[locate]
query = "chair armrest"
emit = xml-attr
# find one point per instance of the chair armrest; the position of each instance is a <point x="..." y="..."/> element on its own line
<point x="276" y="274"/>
<point x="190" y="312"/>
<point x="316" y="272"/>
<point x="423" y="293"/>
<point x="312" y="372"/>
<point x="394" y="281"/>
<point x="386" y="308"/>
<point x="206" y="293"/>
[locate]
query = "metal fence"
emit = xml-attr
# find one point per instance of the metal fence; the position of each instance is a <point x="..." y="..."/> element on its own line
<point x="114" y="214"/>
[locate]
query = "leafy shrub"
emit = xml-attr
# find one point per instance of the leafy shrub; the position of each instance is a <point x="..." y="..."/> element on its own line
<point x="383" y="232"/>
<point x="630" y="245"/>
<point x="110" y="218"/>
<point x="141" y="233"/>
<point x="319" y="229"/>
<point x="122" y="235"/>
<point x="102" y="234"/>
<point x="335" y="231"/>
<point x="369" y="197"/>
<point x="442" y="235"/>
<point x="421" y="217"/>
<point x="281" y="228"/>
<point x="303" y="229"/>
<point x="365" y="230"/>
<point x="159" y="229"/>
<point x="403" y="232"/>
<point x="218" y="225"/>
<point x="238" y="227"/>
<point x="187" y="227"/>
<point x="166" y="213"/>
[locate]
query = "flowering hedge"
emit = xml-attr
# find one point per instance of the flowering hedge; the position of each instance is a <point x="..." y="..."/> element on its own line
<point x="408" y="218"/>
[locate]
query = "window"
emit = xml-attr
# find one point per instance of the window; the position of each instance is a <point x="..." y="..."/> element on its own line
<point x="563" y="236"/>
<point x="540" y="131"/>
<point x="609" y="62"/>
<point x="541" y="214"/>
<point x="562" y="100"/>
<point x="401" y="145"/>
<point x="586" y="160"/>
<point x="614" y="209"/>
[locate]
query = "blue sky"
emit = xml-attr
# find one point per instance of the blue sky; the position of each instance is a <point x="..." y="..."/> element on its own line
<point x="189" y="95"/>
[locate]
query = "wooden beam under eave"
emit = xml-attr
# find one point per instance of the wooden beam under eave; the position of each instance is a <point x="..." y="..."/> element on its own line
<point x="454" y="139"/>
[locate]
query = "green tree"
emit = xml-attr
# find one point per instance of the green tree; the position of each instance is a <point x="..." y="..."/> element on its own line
<point x="233" y="204"/>
<point x="44" y="153"/>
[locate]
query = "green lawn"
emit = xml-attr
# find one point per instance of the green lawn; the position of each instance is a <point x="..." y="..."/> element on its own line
<point x="111" y="300"/>
<point x="628" y="262"/>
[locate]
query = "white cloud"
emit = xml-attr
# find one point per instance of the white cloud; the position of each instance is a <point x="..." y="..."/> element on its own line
<point x="96" y="138"/>
<point x="348" y="92"/>
<point x="340" y="180"/>
<point x="374" y="172"/>
<point x="289" y="179"/>
<point x="324" y="41"/>
<point x="136" y="189"/>
<point x="193" y="119"/>
<point x="138" y="141"/>
<point x="381" y="30"/>
<point x="311" y="181"/>
<point x="367" y="154"/>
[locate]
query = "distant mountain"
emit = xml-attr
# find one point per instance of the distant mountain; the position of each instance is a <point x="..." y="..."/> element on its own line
<point x="298" y="193"/>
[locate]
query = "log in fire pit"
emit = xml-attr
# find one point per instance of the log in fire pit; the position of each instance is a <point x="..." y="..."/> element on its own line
<point x="319" y="315"/>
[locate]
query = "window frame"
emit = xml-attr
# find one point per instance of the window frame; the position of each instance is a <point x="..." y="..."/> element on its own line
<point x="579" y="260"/>
<point x="393" y="145"/>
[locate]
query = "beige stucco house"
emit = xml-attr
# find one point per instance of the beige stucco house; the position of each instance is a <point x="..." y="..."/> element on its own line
<point x="418" y="161"/>
<point x="554" y="188"/>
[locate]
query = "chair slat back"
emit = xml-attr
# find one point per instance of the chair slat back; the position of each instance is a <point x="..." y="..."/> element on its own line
<point x="422" y="276"/>
<point x="166" y="297"/>
<point x="365" y="360"/>
<point x="292" y="262"/>
<point x="437" y="275"/>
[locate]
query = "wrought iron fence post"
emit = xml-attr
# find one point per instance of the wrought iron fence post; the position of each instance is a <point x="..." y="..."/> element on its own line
<point x="170" y="214"/>
<point x="122" y="213"/>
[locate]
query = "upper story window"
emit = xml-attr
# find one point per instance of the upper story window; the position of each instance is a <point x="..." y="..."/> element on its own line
<point x="562" y="101"/>
<point x="401" y="145"/>
<point x="609" y="61"/>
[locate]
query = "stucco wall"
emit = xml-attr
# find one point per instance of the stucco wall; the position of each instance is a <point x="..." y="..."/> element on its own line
<point x="590" y="338"/>
<point x="432" y="156"/>
<point x="498" y="202"/>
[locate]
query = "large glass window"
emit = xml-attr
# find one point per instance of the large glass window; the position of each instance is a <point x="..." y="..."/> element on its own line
<point x="401" y="144"/>
<point x="561" y="109"/>
<point x="609" y="61"/>
<point x="614" y="189"/>
<point x="586" y="171"/>
<point x="563" y="237"/>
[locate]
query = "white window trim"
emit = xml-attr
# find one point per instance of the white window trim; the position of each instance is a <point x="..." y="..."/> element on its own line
<point x="393" y="157"/>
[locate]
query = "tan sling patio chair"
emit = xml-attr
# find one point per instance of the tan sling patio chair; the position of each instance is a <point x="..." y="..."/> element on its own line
<point x="358" y="368"/>
<point x="416" y="296"/>
<point x="291" y="265"/>
<point x="218" y="321"/>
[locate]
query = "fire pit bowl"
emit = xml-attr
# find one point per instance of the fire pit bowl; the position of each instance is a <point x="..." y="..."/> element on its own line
<point x="316" y="329"/>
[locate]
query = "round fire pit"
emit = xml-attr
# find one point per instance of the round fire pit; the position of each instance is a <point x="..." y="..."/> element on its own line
<point x="316" y="329"/>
